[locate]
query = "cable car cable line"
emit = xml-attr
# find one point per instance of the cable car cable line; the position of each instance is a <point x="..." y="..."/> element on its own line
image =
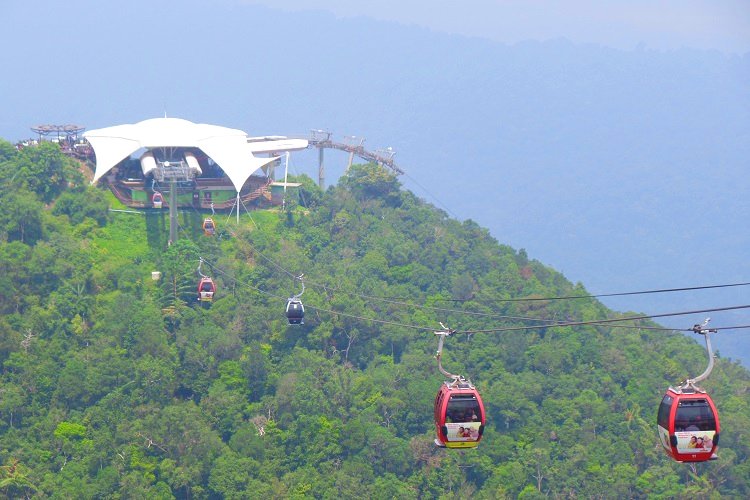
<point x="448" y="210"/>
<point x="400" y="300"/>
<point x="317" y="308"/>
<point x="547" y="323"/>
<point x="595" y="295"/>
<point x="619" y="294"/>
<point x="552" y="324"/>
<point x="321" y="309"/>
<point x="241" y="283"/>
<point x="738" y="327"/>
<point x="396" y="301"/>
<point x="610" y="320"/>
<point x="330" y="311"/>
<point x="644" y="292"/>
<point x="491" y="315"/>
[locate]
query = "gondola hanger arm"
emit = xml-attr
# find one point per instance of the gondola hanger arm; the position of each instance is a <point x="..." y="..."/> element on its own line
<point x="703" y="329"/>
<point x="303" y="285"/>
<point x="200" y="264"/>
<point x="441" y="337"/>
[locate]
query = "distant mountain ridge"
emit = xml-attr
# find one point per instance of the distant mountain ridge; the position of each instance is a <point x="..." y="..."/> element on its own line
<point x="626" y="170"/>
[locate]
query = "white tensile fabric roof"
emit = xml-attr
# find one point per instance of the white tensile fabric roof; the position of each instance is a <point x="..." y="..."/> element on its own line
<point x="227" y="147"/>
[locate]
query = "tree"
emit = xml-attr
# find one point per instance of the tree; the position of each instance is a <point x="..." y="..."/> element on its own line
<point x="23" y="216"/>
<point x="231" y="474"/>
<point x="371" y="181"/>
<point x="87" y="203"/>
<point x="14" y="481"/>
<point x="45" y="170"/>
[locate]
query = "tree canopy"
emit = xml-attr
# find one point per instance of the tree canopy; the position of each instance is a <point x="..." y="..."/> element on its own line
<point x="114" y="385"/>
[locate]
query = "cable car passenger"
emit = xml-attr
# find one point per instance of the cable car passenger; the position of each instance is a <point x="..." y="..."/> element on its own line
<point x="694" y="415"/>
<point x="463" y="409"/>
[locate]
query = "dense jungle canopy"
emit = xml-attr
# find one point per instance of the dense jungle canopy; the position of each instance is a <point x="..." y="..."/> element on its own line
<point x="114" y="385"/>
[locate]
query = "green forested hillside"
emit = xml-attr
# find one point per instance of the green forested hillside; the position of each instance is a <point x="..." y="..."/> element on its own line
<point x="114" y="385"/>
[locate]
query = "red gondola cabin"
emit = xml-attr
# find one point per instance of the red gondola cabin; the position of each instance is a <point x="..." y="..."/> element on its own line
<point x="688" y="425"/>
<point x="206" y="289"/>
<point x="209" y="227"/>
<point x="459" y="415"/>
<point x="157" y="199"/>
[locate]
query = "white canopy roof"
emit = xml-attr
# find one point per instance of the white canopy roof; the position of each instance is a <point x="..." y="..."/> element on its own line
<point x="227" y="147"/>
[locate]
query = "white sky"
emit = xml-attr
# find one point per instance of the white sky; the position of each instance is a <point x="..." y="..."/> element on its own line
<point x="658" y="24"/>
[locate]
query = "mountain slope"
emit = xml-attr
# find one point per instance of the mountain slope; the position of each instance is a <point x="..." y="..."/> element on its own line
<point x="623" y="169"/>
<point x="118" y="385"/>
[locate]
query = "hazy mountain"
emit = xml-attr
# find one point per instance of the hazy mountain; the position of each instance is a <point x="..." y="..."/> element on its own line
<point x="623" y="169"/>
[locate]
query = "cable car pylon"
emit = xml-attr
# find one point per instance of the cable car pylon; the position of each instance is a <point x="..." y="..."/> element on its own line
<point x="688" y="421"/>
<point x="459" y="411"/>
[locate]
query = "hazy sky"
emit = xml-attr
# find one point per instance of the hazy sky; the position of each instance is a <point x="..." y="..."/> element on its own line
<point x="658" y="24"/>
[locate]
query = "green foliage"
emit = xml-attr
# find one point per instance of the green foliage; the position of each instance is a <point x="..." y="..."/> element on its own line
<point x="310" y="195"/>
<point x="68" y="431"/>
<point x="14" y="480"/>
<point x="113" y="385"/>
<point x="80" y="205"/>
<point x="372" y="181"/>
<point x="42" y="169"/>
<point x="24" y="219"/>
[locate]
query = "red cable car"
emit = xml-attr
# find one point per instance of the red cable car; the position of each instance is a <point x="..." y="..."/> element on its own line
<point x="688" y="425"/>
<point x="209" y="227"/>
<point x="157" y="199"/>
<point x="206" y="289"/>
<point x="687" y="421"/>
<point x="459" y="415"/>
